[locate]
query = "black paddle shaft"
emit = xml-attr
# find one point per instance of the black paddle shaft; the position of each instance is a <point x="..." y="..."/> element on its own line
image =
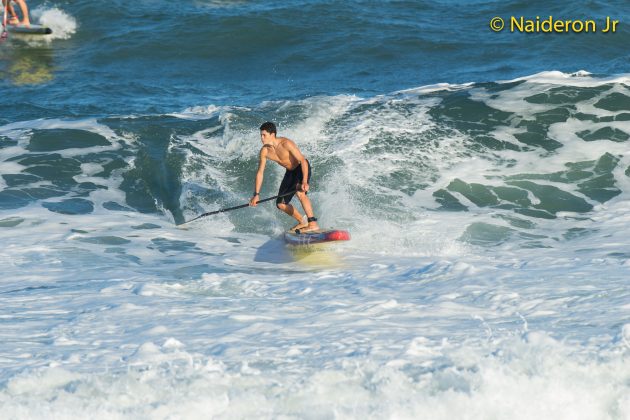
<point x="242" y="206"/>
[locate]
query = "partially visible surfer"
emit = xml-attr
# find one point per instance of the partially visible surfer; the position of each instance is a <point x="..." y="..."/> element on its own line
<point x="286" y="153"/>
<point x="12" y="15"/>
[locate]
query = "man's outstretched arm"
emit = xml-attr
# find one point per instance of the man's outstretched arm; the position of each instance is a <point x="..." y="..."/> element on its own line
<point x="262" y="161"/>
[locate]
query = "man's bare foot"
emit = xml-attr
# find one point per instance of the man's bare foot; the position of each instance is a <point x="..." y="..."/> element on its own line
<point x="300" y="225"/>
<point x="310" y="227"/>
<point x="16" y="22"/>
<point x="313" y="226"/>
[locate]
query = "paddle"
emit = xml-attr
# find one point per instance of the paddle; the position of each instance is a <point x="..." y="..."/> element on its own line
<point x="4" y="34"/>
<point x="242" y="206"/>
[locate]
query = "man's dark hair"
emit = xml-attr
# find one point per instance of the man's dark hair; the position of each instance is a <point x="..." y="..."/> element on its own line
<point x="269" y="127"/>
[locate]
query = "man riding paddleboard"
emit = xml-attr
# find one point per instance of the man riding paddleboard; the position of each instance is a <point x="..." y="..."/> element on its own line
<point x="296" y="178"/>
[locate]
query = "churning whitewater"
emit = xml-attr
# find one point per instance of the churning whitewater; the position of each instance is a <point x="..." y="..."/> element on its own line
<point x="486" y="277"/>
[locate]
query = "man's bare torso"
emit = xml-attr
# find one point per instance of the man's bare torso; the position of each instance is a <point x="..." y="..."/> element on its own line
<point x="281" y="153"/>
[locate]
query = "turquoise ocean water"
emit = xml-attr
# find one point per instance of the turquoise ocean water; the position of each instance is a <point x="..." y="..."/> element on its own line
<point x="484" y="177"/>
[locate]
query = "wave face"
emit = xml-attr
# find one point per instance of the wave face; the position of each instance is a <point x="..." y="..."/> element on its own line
<point x="537" y="162"/>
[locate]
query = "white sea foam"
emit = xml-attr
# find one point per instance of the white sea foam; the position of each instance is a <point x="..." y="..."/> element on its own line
<point x="579" y="78"/>
<point x="62" y="24"/>
<point x="524" y="376"/>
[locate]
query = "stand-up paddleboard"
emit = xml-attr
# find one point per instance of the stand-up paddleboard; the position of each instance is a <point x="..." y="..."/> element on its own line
<point x="316" y="237"/>
<point x="32" y="29"/>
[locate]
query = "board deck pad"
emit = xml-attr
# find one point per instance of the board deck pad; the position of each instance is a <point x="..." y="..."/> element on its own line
<point x="316" y="237"/>
<point x="32" y="29"/>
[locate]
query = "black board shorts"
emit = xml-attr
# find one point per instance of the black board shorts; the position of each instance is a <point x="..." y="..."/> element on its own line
<point x="290" y="181"/>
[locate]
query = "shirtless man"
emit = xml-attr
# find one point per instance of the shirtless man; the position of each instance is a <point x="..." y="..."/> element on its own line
<point x="298" y="174"/>
<point x="12" y="16"/>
